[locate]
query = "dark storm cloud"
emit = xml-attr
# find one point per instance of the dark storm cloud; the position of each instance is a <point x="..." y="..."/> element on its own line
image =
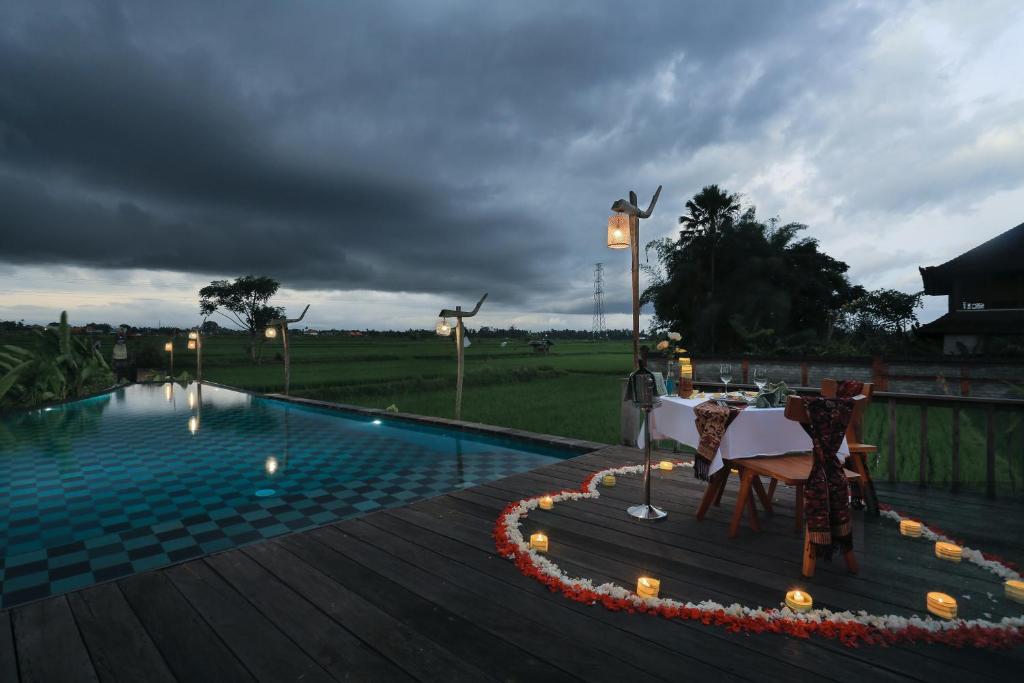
<point x="393" y="146"/>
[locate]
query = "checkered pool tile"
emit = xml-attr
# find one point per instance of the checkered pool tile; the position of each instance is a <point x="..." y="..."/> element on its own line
<point x="152" y="475"/>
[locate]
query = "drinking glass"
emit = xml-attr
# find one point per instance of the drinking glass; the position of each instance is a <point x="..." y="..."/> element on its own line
<point x="725" y="374"/>
<point x="760" y="377"/>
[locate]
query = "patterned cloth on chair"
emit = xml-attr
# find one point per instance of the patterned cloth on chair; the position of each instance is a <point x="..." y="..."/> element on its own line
<point x="712" y="420"/>
<point x="849" y="388"/>
<point x="826" y="494"/>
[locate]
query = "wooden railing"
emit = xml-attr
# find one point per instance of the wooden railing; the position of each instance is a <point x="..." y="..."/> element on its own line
<point x="959" y="443"/>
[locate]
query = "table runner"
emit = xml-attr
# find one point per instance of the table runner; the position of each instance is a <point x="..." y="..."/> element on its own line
<point x="711" y="419"/>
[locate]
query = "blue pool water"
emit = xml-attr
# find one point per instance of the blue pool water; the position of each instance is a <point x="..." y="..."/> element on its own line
<point x="156" y="474"/>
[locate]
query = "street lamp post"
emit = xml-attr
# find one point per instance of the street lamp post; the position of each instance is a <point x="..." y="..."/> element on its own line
<point x="444" y="329"/>
<point x="169" y="348"/>
<point x="271" y="332"/>
<point x="195" y="343"/>
<point x="626" y="218"/>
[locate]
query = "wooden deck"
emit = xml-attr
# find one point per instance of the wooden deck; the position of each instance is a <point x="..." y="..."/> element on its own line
<point x="418" y="593"/>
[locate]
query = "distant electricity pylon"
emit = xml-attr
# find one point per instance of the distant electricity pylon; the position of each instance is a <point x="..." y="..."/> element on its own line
<point x="599" y="329"/>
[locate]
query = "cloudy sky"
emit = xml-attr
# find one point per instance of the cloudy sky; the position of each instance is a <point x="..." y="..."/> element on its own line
<point x="385" y="159"/>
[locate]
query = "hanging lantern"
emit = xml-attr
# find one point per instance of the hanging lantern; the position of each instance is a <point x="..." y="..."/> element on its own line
<point x="442" y="328"/>
<point x="168" y="347"/>
<point x="270" y="333"/>
<point x="191" y="344"/>
<point x="618" y="231"/>
<point x="193" y="334"/>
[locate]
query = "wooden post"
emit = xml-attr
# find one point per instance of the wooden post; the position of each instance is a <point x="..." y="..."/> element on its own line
<point x="922" y="465"/>
<point x="965" y="381"/>
<point x="171" y="371"/>
<point x="956" y="449"/>
<point x="287" y="359"/>
<point x="746" y="370"/>
<point x="634" y="244"/>
<point x="990" y="452"/>
<point x="892" y="441"/>
<point x="804" y="375"/>
<point x="199" y="356"/>
<point x="459" y="356"/>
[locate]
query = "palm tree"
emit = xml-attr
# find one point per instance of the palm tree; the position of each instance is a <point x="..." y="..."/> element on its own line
<point x="710" y="210"/>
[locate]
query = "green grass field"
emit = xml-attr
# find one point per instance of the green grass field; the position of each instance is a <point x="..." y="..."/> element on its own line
<point x="573" y="391"/>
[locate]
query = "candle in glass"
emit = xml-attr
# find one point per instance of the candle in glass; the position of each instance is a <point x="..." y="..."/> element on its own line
<point x="799" y="601"/>
<point x="546" y="503"/>
<point x="666" y="465"/>
<point x="1015" y="590"/>
<point x="608" y="480"/>
<point x="646" y="587"/>
<point x="539" y="542"/>
<point x="909" y="527"/>
<point x="941" y="605"/>
<point x="947" y="551"/>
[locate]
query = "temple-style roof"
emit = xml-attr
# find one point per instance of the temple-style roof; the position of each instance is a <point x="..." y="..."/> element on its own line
<point x="979" y="322"/>
<point x="1002" y="253"/>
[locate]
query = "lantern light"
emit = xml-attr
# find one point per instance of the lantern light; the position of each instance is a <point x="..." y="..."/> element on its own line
<point x="442" y="328"/>
<point x="191" y="344"/>
<point x="193" y="334"/>
<point x="618" y="231"/>
<point x="271" y="465"/>
<point x="270" y="333"/>
<point x="169" y="346"/>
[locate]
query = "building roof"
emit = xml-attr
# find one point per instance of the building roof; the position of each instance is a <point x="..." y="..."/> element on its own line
<point x="1002" y="253"/>
<point x="980" y="322"/>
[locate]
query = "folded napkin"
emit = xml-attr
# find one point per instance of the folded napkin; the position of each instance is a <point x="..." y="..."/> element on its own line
<point x="712" y="419"/>
<point x="773" y="395"/>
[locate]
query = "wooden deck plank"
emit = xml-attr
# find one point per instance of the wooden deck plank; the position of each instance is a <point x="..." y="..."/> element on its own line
<point x="876" y="666"/>
<point x="575" y="645"/>
<point x="266" y="651"/>
<point x="410" y="650"/>
<point x="189" y="646"/>
<point x="334" y="648"/>
<point x="118" y="644"/>
<point x="691" y="643"/>
<point x="418" y="593"/>
<point x="48" y="643"/>
<point x="8" y="658"/>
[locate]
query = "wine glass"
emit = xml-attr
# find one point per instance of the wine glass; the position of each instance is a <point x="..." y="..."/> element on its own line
<point x="725" y="374"/>
<point x="760" y="377"/>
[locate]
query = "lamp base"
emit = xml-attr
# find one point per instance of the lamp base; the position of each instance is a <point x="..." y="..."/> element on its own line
<point x="646" y="512"/>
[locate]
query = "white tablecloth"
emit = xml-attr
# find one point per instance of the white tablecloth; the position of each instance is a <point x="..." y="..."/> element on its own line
<point x="754" y="432"/>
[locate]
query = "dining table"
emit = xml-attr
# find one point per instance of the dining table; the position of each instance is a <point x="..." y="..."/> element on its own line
<point x="755" y="432"/>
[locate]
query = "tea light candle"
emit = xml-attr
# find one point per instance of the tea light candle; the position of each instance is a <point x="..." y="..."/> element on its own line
<point x="666" y="465"/>
<point x="539" y="542"/>
<point x="608" y="480"/>
<point x="546" y="503"/>
<point x="941" y="605"/>
<point x="799" y="601"/>
<point x="947" y="551"/>
<point x="646" y="587"/>
<point x="1015" y="590"/>
<point x="909" y="527"/>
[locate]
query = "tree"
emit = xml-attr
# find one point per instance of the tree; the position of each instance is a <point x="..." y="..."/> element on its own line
<point x="775" y="291"/>
<point x="880" y="318"/>
<point x="246" y="300"/>
<point x="711" y="211"/>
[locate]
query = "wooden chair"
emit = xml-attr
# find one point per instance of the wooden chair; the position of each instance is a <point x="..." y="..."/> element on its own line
<point x="793" y="470"/>
<point x="859" y="452"/>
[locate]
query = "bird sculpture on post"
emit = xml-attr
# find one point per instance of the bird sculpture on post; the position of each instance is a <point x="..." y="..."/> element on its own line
<point x="283" y="322"/>
<point x="460" y="333"/>
<point x="630" y="208"/>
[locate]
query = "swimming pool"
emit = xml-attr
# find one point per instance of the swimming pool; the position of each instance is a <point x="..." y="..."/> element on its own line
<point x="152" y="474"/>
